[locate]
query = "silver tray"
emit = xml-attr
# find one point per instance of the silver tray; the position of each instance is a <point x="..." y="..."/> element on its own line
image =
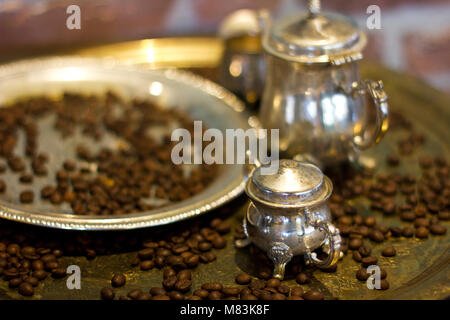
<point x="198" y="97"/>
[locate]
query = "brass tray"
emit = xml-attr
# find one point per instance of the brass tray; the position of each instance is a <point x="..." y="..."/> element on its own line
<point x="421" y="269"/>
<point x="200" y="98"/>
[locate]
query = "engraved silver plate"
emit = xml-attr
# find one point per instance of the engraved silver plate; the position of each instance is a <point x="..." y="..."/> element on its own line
<point x="199" y="98"/>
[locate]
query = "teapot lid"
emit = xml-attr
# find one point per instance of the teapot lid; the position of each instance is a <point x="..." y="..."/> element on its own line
<point x="315" y="37"/>
<point x="294" y="184"/>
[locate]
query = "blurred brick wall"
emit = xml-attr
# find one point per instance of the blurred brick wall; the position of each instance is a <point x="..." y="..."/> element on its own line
<point x="415" y="34"/>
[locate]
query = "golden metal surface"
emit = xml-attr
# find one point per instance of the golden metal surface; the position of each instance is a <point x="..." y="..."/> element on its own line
<point x="419" y="271"/>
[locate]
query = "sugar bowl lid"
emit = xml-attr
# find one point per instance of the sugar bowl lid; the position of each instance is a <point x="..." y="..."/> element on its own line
<point x="315" y="37"/>
<point x="294" y="184"/>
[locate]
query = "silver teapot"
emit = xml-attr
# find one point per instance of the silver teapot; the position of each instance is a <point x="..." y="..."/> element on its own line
<point x="288" y="215"/>
<point x="313" y="92"/>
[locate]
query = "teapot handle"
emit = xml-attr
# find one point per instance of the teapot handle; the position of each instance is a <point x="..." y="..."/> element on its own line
<point x="333" y="246"/>
<point x="379" y="98"/>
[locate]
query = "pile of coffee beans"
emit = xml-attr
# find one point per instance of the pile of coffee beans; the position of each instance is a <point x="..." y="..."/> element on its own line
<point x="101" y="180"/>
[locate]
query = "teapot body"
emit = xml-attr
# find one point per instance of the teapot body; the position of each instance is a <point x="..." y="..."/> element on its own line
<point x="292" y="228"/>
<point x="315" y="108"/>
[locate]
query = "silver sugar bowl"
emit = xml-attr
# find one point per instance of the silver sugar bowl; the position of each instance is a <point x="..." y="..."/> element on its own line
<point x="313" y="92"/>
<point x="288" y="215"/>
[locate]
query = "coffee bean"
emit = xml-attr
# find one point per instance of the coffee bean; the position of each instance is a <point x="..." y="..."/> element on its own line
<point x="231" y="291"/>
<point x="243" y="278"/>
<point x="175" y="295"/>
<point x="183" y="285"/>
<point x="302" y="278"/>
<point x="421" y="222"/>
<point x="376" y="236"/>
<point x="438" y="229"/>
<point x="133" y="294"/>
<point x="58" y="273"/>
<point x="212" y="286"/>
<point x="407" y="232"/>
<point x="157" y="291"/>
<point x="15" y="282"/>
<point x="107" y="293"/>
<point x="368" y="261"/>
<point x="365" y="250"/>
<point x="384" y="284"/>
<point x="184" y="275"/>
<point x="26" y="196"/>
<point x="273" y="283"/>
<point x="146" y="254"/>
<point x="354" y="244"/>
<point x="444" y="215"/>
<point x="26" y="289"/>
<point x="362" y="274"/>
<point x="389" y="251"/>
<point x="422" y="232"/>
<point x="169" y="283"/>
<point x="2" y="186"/>
<point x="118" y="280"/>
<point x="147" y="265"/>
<point x="215" y="295"/>
<point x="201" y="293"/>
<point x="313" y="295"/>
<point x="356" y="256"/>
<point x="219" y="242"/>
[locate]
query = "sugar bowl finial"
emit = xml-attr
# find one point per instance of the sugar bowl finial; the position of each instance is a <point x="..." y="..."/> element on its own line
<point x="288" y="215"/>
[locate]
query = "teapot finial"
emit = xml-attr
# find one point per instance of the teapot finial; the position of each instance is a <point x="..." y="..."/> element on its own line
<point x="313" y="7"/>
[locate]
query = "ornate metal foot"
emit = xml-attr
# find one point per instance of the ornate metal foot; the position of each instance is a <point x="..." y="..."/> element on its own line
<point x="280" y="254"/>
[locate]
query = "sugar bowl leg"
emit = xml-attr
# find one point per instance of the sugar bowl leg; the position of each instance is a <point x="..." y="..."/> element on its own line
<point x="280" y="254"/>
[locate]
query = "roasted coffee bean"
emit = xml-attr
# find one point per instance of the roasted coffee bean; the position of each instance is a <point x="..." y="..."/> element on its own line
<point x="243" y="278"/>
<point x="59" y="273"/>
<point x="302" y="278"/>
<point x="223" y="227"/>
<point x="370" y="221"/>
<point x="144" y="296"/>
<point x="354" y="244"/>
<point x="169" y="272"/>
<point x="313" y="294"/>
<point x="444" y="215"/>
<point x="26" y="196"/>
<point x="184" y="275"/>
<point x="422" y="232"/>
<point x="205" y="246"/>
<point x="26" y="289"/>
<point x="212" y="286"/>
<point x="118" y="280"/>
<point x="169" y="282"/>
<point x="368" y="261"/>
<point x="147" y="265"/>
<point x="408" y="216"/>
<point x="219" y="242"/>
<point x="192" y="261"/>
<point x="215" y="295"/>
<point x="107" y="293"/>
<point x="183" y="285"/>
<point x="389" y="251"/>
<point x="201" y="293"/>
<point x="176" y="295"/>
<point x="365" y="250"/>
<point x="15" y="282"/>
<point x="438" y="229"/>
<point x="384" y="284"/>
<point x="26" y="178"/>
<point x="396" y="231"/>
<point x="2" y="186"/>
<point x="157" y="291"/>
<point x="146" y="254"/>
<point x="362" y="274"/>
<point x="231" y="291"/>
<point x="421" y="222"/>
<point x="40" y="274"/>
<point x="407" y="232"/>
<point x="273" y="283"/>
<point x="165" y="297"/>
<point x="376" y="236"/>
<point x="356" y="256"/>
<point x="134" y="294"/>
